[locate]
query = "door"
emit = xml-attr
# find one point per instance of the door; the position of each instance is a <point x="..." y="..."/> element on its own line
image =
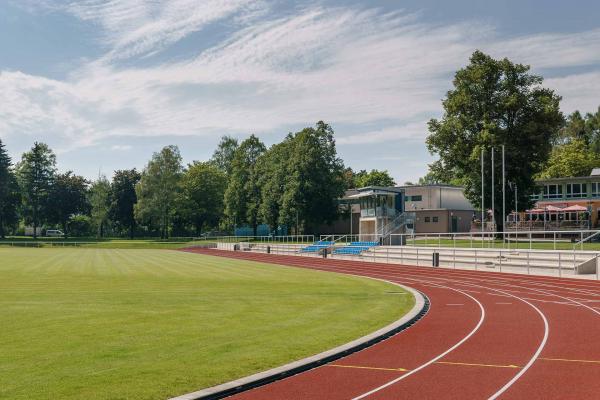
<point x="454" y="223"/>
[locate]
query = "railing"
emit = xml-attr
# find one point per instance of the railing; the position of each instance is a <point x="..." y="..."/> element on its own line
<point x="548" y="225"/>
<point x="260" y="239"/>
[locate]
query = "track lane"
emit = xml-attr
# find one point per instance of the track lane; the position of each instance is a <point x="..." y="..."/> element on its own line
<point x="488" y="380"/>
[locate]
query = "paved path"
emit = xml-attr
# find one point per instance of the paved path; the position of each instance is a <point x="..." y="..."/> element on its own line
<point x="486" y="336"/>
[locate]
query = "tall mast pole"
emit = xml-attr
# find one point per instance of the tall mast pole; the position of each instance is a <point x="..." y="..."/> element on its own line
<point x="493" y="189"/>
<point x="482" y="197"/>
<point x="503" y="197"/>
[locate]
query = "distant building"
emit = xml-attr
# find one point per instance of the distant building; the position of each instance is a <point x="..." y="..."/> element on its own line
<point x="563" y="204"/>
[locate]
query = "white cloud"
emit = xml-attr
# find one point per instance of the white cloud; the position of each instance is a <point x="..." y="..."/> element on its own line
<point x="580" y="92"/>
<point x="343" y="65"/>
<point x="121" y="147"/>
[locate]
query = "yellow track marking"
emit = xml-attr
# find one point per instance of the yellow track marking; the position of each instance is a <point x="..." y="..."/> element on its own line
<point x="564" y="359"/>
<point x="374" y="368"/>
<point x="477" y="365"/>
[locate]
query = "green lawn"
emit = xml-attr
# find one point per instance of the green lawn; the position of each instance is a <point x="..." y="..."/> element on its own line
<point x="150" y="324"/>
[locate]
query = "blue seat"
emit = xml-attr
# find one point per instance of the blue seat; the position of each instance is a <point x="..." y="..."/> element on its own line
<point x="355" y="248"/>
<point x="316" y="247"/>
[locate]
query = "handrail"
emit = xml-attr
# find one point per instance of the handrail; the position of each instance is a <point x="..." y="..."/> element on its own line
<point x="580" y="243"/>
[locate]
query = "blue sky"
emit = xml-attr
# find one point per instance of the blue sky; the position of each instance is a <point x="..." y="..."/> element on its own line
<point x="107" y="83"/>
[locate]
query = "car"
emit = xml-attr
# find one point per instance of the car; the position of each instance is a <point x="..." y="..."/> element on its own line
<point x="54" y="233"/>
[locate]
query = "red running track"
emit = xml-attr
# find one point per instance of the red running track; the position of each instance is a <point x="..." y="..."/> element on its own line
<point x="486" y="336"/>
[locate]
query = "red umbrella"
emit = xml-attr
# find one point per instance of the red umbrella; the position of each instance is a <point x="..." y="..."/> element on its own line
<point x="575" y="208"/>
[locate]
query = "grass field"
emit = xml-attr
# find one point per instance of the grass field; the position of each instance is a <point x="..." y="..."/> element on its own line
<point x="150" y="324"/>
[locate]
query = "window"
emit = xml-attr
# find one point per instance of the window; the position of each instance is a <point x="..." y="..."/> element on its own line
<point x="576" y="190"/>
<point x="416" y="198"/>
<point x="435" y="219"/>
<point x="553" y="191"/>
<point x="427" y="219"/>
<point x="596" y="189"/>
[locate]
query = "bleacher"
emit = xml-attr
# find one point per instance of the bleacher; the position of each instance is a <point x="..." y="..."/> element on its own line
<point x="316" y="247"/>
<point x="355" y="248"/>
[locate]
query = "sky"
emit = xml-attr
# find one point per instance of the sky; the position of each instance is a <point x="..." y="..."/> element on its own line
<point x="106" y="83"/>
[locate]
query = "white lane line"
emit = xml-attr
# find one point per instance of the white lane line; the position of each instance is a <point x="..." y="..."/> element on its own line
<point x="450" y="280"/>
<point x="433" y="360"/>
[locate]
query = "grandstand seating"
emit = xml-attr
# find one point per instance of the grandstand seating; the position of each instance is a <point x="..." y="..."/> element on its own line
<point x="316" y="247"/>
<point x="355" y="248"/>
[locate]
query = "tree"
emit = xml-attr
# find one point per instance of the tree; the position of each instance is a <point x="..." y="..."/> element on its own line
<point x="35" y="174"/>
<point x="272" y="172"/>
<point x="123" y="199"/>
<point x="314" y="178"/>
<point x="493" y="103"/>
<point x="202" y="187"/>
<point x="570" y="159"/>
<point x="374" y="178"/>
<point x="100" y="203"/>
<point x="158" y="189"/>
<point x="68" y="197"/>
<point x="242" y="196"/>
<point x="9" y="192"/>
<point x="223" y="155"/>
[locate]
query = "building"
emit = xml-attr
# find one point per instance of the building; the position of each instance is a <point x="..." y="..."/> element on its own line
<point x="564" y="204"/>
<point x="426" y="209"/>
<point x="438" y="208"/>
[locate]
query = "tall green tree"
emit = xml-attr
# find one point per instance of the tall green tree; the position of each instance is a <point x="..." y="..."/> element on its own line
<point x="202" y="191"/>
<point x="315" y="179"/>
<point x="35" y="174"/>
<point x="272" y="169"/>
<point x="494" y="103"/>
<point x="9" y="192"/>
<point x="374" y="178"/>
<point x="242" y="196"/>
<point x="224" y="153"/>
<point x="570" y="159"/>
<point x="99" y="196"/>
<point x="68" y="197"/>
<point x="123" y="199"/>
<point x="158" y="188"/>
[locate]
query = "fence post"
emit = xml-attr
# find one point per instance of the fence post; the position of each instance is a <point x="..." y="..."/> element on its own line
<point x="387" y="254"/>
<point x="417" y="256"/>
<point x="530" y="243"/>
<point x="597" y="267"/>
<point x="476" y="259"/>
<point x="554" y="240"/>
<point x="559" y="266"/>
<point x="528" y="261"/>
<point x="500" y="260"/>
<point x="454" y="257"/>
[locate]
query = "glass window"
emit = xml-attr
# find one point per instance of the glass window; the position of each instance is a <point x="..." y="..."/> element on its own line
<point x="553" y="191"/>
<point x="435" y="219"/>
<point x="417" y="198"/>
<point x="576" y="190"/>
<point x="596" y="189"/>
<point x="427" y="219"/>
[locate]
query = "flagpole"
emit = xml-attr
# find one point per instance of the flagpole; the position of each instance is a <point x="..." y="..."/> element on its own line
<point x="482" y="198"/>
<point x="503" y="199"/>
<point x="493" y="196"/>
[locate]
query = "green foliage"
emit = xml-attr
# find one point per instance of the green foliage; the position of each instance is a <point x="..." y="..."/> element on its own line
<point x="273" y="173"/>
<point x="35" y="174"/>
<point x="100" y="201"/>
<point x="123" y="199"/>
<point x="80" y="225"/>
<point x="373" y="178"/>
<point x="493" y="103"/>
<point x="571" y="159"/>
<point x="242" y="197"/>
<point x="68" y="197"/>
<point x="315" y="178"/>
<point x="202" y="190"/>
<point x="224" y="154"/>
<point x="9" y="192"/>
<point x="157" y="190"/>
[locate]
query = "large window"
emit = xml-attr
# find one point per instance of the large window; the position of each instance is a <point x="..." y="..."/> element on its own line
<point x="415" y="198"/>
<point x="596" y="189"/>
<point x="553" y="191"/>
<point x="576" y="190"/>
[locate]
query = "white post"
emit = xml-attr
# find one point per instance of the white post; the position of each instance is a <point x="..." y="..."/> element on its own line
<point x="482" y="199"/>
<point x="503" y="198"/>
<point x="493" y="188"/>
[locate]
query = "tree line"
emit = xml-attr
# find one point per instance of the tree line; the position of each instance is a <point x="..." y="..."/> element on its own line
<point x="294" y="183"/>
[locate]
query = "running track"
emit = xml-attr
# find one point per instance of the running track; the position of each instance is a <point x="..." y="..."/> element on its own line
<point x="486" y="336"/>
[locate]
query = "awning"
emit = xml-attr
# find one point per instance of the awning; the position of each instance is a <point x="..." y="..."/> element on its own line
<point x="575" y="208"/>
<point x="553" y="209"/>
<point x="535" y="211"/>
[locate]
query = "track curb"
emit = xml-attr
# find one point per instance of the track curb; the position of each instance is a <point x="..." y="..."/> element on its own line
<point x="262" y="378"/>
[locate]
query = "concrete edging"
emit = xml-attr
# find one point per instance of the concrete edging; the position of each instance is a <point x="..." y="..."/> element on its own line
<point x="262" y="378"/>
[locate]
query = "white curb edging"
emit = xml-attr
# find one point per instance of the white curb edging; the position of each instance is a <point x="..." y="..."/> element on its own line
<point x="282" y="371"/>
